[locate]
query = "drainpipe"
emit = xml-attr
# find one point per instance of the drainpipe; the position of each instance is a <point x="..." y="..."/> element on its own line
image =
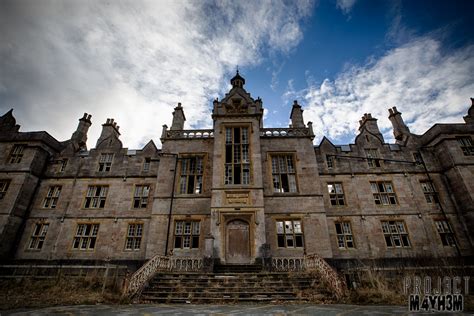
<point x="172" y="199"/>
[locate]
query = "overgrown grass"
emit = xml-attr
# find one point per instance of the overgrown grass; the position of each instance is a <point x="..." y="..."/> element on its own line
<point x="27" y="292"/>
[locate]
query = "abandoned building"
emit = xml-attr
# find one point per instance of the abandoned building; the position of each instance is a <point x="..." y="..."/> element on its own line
<point x="239" y="192"/>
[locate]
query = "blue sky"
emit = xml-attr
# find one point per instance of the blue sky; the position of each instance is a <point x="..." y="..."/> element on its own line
<point x="135" y="60"/>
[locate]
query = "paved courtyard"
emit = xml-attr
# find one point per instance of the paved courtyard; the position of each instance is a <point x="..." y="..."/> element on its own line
<point x="241" y="309"/>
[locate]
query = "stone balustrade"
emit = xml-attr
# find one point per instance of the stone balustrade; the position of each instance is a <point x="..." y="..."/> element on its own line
<point x="285" y="132"/>
<point x="287" y="264"/>
<point x="139" y="279"/>
<point x="186" y="264"/>
<point x="189" y="134"/>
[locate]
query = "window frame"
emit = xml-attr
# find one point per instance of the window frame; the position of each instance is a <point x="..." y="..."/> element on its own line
<point x="62" y="165"/>
<point x="88" y="238"/>
<point x="443" y="235"/>
<point x="284" y="156"/>
<point x="336" y="196"/>
<point x="330" y="161"/>
<point x="52" y="196"/>
<point x="17" y="153"/>
<point x="133" y="242"/>
<point x="466" y="144"/>
<point x="430" y="192"/>
<point x="105" y="165"/>
<point x="146" y="164"/>
<point x="385" y="193"/>
<point x="195" y="176"/>
<point x="4" y="185"/>
<point x="193" y="237"/>
<point x="140" y="198"/>
<point x="282" y="238"/>
<point x="99" y="197"/>
<point x="346" y="236"/>
<point x="397" y="233"/>
<point x="373" y="162"/>
<point x="38" y="236"/>
<point x="242" y="164"/>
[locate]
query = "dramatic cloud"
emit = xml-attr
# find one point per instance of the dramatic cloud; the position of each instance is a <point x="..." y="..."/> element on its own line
<point x="426" y="84"/>
<point x="132" y="60"/>
<point x="345" y="5"/>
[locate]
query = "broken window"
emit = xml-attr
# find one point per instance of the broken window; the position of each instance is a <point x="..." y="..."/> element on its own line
<point x="336" y="193"/>
<point x="395" y="234"/>
<point x="16" y="154"/>
<point x="96" y="196"/>
<point x="191" y="174"/>
<point x="86" y="236"/>
<point x="445" y="232"/>
<point x="283" y="173"/>
<point x="51" y="199"/>
<point x="237" y="157"/>
<point x="431" y="196"/>
<point x="330" y="161"/>
<point x="146" y="164"/>
<point x="62" y="165"/>
<point x="186" y="234"/>
<point x="466" y="145"/>
<point x="38" y="236"/>
<point x="383" y="193"/>
<point x="105" y="162"/>
<point x="372" y="155"/>
<point x="140" y="197"/>
<point x="344" y="235"/>
<point x="289" y="233"/>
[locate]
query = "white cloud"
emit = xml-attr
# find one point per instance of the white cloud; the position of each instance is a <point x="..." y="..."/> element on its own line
<point x="345" y="5"/>
<point x="426" y="84"/>
<point x="132" y="61"/>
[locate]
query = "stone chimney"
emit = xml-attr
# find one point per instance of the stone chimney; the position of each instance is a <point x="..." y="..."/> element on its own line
<point x="109" y="128"/>
<point x="469" y="118"/>
<point x="296" y="116"/>
<point x="400" y="130"/>
<point x="370" y="124"/>
<point x="178" y="118"/>
<point x="79" y="137"/>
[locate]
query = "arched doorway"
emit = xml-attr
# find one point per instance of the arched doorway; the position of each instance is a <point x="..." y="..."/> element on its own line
<point x="237" y="242"/>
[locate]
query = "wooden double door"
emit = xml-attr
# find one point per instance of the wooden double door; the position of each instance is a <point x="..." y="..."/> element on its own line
<point x="237" y="242"/>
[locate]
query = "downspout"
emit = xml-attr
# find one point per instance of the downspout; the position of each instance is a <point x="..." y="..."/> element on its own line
<point x="171" y="202"/>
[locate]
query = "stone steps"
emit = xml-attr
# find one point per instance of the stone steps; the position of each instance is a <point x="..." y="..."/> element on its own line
<point x="231" y="287"/>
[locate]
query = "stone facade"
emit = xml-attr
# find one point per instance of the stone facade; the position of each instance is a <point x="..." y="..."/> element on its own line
<point x="239" y="192"/>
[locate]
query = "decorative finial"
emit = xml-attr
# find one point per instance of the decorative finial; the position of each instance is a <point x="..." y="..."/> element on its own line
<point x="237" y="69"/>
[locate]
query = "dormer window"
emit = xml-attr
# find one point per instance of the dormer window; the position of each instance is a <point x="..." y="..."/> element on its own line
<point x="105" y="162"/>
<point x="237" y="158"/>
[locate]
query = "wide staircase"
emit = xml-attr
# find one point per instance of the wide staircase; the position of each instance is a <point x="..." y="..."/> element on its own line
<point x="233" y="283"/>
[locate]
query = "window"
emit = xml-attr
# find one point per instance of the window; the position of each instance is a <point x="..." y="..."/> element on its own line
<point x="4" y="184"/>
<point x="466" y="145"/>
<point x="383" y="193"/>
<point x="96" y="195"/>
<point x="430" y="193"/>
<point x="289" y="234"/>
<point x="146" y="164"/>
<point x="283" y="173"/>
<point x="86" y="236"/>
<point x="105" y="162"/>
<point x="445" y="232"/>
<point x="417" y="158"/>
<point x="395" y="234"/>
<point x="330" y="161"/>
<point x="134" y="237"/>
<point x="38" y="236"/>
<point x="16" y="154"/>
<point x="336" y="194"/>
<point x="140" y="197"/>
<point x="372" y="153"/>
<point x="51" y="199"/>
<point x="344" y="235"/>
<point x="62" y="165"/>
<point x="191" y="171"/>
<point x="186" y="234"/>
<point x="237" y="160"/>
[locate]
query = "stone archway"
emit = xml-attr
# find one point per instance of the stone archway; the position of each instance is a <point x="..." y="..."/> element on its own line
<point x="238" y="242"/>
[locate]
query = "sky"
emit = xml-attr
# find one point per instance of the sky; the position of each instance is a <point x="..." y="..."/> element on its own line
<point x="135" y="60"/>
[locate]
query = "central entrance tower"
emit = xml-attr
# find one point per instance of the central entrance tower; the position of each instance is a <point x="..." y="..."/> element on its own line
<point x="237" y="204"/>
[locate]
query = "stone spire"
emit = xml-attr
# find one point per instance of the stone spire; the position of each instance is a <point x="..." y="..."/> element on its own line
<point x="400" y="129"/>
<point x="370" y="124"/>
<point x="296" y="116"/>
<point x="469" y="118"/>
<point x="79" y="137"/>
<point x="178" y="118"/>
<point x="237" y="81"/>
